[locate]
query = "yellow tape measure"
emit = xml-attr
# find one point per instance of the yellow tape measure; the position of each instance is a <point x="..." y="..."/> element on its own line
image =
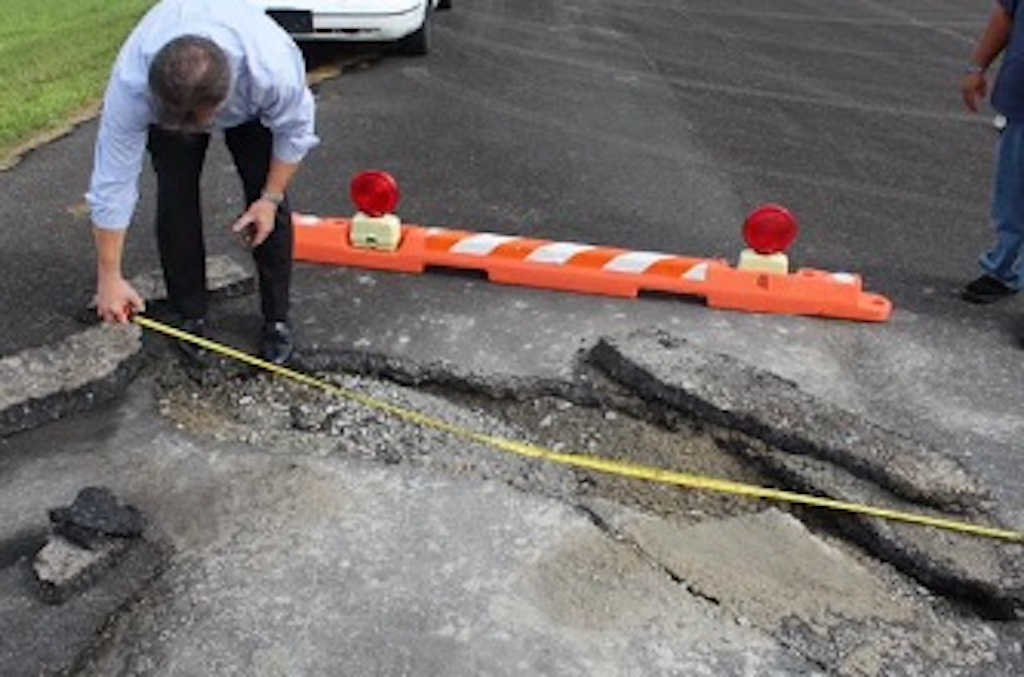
<point x="596" y="464"/>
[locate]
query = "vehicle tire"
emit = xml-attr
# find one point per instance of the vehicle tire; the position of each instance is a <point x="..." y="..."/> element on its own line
<point x="417" y="43"/>
<point x="444" y="4"/>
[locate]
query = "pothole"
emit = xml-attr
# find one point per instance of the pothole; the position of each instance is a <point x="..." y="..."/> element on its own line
<point x="281" y="417"/>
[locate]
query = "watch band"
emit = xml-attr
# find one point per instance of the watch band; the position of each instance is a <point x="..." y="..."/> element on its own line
<point x="274" y="198"/>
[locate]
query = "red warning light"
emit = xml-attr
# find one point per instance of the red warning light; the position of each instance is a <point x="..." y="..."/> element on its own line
<point x="770" y="229"/>
<point x="375" y="193"/>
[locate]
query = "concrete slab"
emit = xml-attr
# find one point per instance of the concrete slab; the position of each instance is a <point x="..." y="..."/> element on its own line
<point x="38" y="385"/>
<point x="291" y="563"/>
<point x="770" y="571"/>
<point x="721" y="389"/>
<point x="820" y="449"/>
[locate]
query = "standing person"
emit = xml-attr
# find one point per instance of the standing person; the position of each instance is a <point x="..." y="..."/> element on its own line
<point x="1003" y="35"/>
<point x="191" y="67"/>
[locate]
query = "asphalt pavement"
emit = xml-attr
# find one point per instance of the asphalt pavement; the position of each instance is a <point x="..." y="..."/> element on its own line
<point x="291" y="533"/>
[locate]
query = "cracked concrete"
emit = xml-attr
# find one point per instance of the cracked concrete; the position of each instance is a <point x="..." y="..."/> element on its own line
<point x="770" y="571"/>
<point x="38" y="385"/>
<point x="310" y="537"/>
<point x="272" y="498"/>
<point x="820" y="449"/>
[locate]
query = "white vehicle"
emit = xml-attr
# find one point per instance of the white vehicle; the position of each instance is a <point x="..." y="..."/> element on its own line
<point x="403" y="22"/>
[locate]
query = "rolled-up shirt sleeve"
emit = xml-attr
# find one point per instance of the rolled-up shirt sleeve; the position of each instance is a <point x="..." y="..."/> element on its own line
<point x="287" y="108"/>
<point x="120" y="147"/>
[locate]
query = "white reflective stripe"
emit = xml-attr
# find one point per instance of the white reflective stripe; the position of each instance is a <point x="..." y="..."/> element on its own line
<point x="634" y="262"/>
<point x="844" y="278"/>
<point x="698" y="273"/>
<point x="557" y="252"/>
<point x="481" y="244"/>
<point x="306" y="219"/>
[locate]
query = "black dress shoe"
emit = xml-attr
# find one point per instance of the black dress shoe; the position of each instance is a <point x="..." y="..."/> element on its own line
<point x="195" y="354"/>
<point x="986" y="289"/>
<point x="278" y="343"/>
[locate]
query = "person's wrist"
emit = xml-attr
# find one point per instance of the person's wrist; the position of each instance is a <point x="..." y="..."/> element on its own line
<point x="974" y="69"/>
<point x="272" y="197"/>
<point x="108" y="275"/>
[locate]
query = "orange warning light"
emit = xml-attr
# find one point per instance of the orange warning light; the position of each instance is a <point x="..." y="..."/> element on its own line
<point x="375" y="193"/>
<point x="770" y="229"/>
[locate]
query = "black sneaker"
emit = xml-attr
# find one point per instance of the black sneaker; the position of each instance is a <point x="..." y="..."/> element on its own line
<point x="986" y="289"/>
<point x="194" y="354"/>
<point x="278" y="343"/>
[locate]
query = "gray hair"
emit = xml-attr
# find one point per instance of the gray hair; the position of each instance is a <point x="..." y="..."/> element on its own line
<point x="189" y="77"/>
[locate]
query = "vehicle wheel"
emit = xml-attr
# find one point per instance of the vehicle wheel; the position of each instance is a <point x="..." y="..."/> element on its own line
<point x="418" y="43"/>
<point x="444" y="4"/>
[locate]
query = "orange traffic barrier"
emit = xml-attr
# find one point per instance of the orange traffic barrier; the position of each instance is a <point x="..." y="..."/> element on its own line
<point x="589" y="269"/>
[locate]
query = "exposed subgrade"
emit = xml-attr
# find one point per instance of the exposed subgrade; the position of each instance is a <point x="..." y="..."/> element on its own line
<point x="617" y="408"/>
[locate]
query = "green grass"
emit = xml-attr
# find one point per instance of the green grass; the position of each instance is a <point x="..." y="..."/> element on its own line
<point x="55" y="58"/>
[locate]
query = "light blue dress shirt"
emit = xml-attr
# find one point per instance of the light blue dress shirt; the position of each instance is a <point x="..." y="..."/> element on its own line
<point x="268" y="83"/>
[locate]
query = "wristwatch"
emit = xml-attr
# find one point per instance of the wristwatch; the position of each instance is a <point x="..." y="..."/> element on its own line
<point x="974" y="69"/>
<point x="274" y="198"/>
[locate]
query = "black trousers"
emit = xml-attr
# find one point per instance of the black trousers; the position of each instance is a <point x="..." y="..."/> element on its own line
<point x="178" y="159"/>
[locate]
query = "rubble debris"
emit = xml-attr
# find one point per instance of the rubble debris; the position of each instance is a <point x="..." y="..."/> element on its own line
<point x="87" y="538"/>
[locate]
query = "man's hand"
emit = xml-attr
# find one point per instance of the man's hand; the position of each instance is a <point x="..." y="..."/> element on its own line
<point x="116" y="300"/>
<point x="257" y="223"/>
<point x="974" y="89"/>
<point x="973" y="86"/>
